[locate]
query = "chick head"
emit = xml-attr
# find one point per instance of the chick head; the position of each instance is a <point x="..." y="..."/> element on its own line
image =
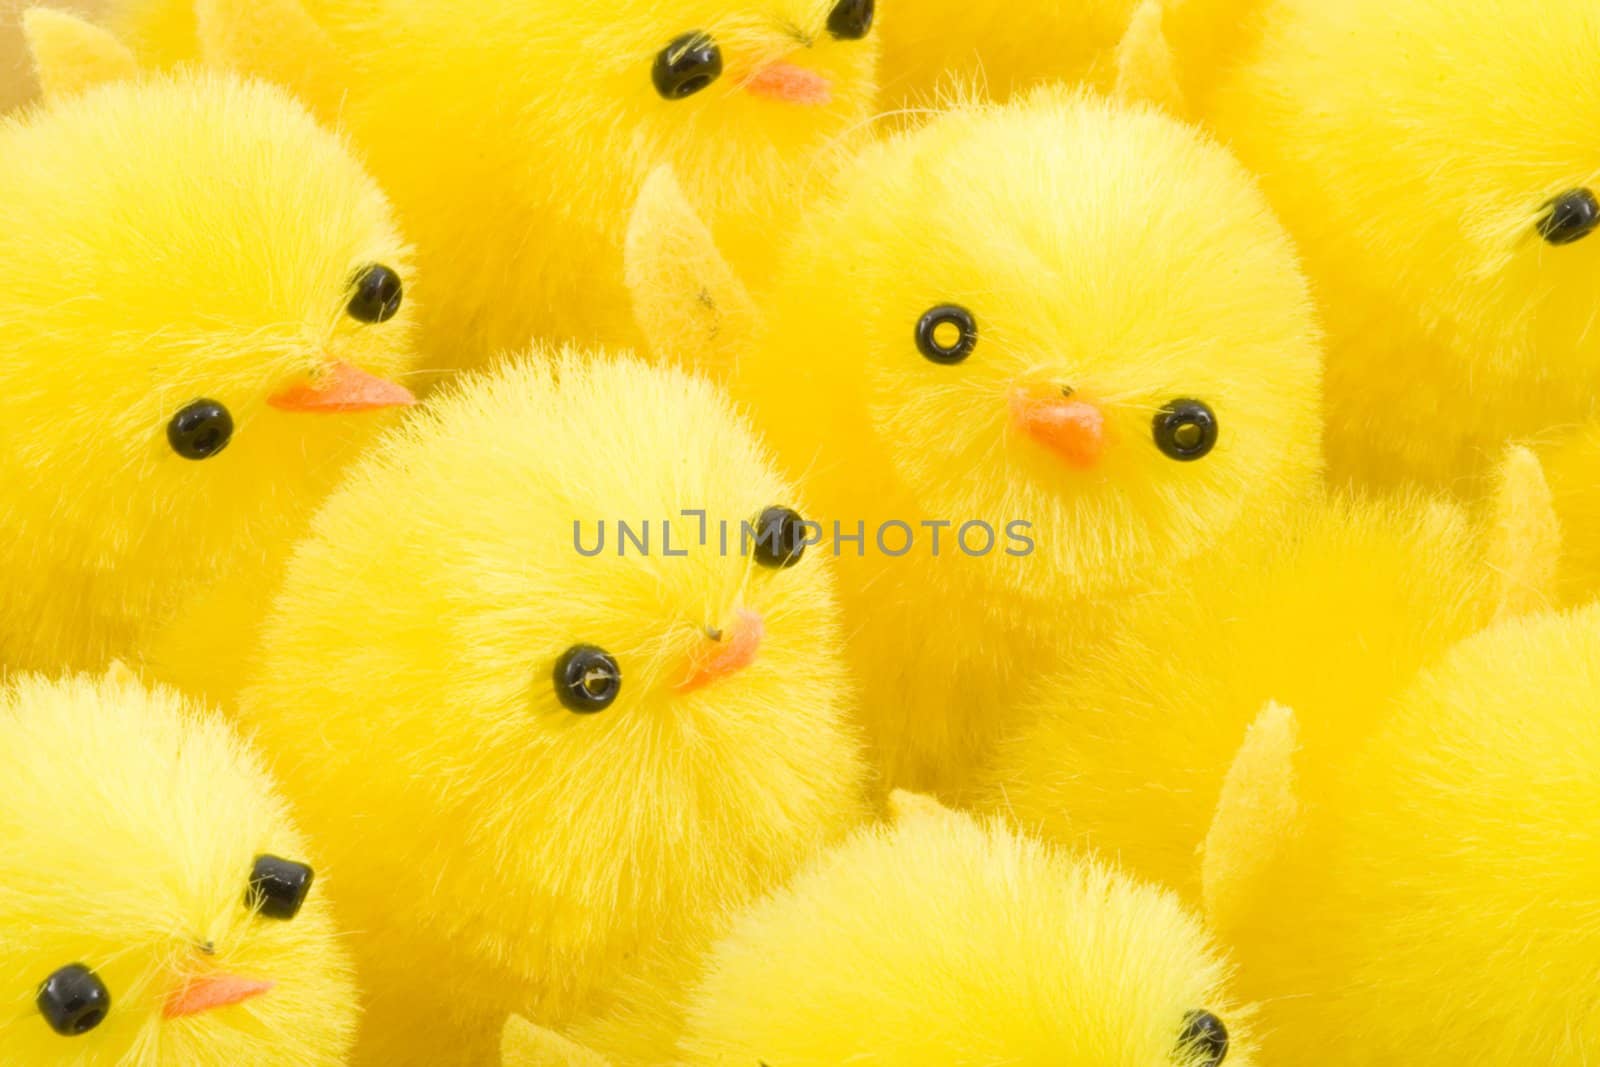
<point x="1456" y="178"/>
<point x="157" y="908"/>
<point x="471" y="688"/>
<point x="202" y="295"/>
<point x="1062" y="312"/>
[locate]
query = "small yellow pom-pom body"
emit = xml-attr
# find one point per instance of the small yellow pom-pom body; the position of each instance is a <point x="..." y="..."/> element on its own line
<point x="1129" y="751"/>
<point x="1114" y="270"/>
<point x="944" y="939"/>
<point x="1438" y="908"/>
<point x="504" y="852"/>
<point x="170" y="245"/>
<point x="132" y="824"/>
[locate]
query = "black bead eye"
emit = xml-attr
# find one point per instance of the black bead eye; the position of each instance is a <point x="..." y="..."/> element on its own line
<point x="686" y="66"/>
<point x="1570" y="217"/>
<point x="278" y="887"/>
<point x="851" y="20"/>
<point x="200" y="430"/>
<point x="587" y="679"/>
<point x="377" y="296"/>
<point x="1186" y="430"/>
<point x="73" y="1000"/>
<point x="780" y="538"/>
<point x="1204" y="1040"/>
<point x="947" y="334"/>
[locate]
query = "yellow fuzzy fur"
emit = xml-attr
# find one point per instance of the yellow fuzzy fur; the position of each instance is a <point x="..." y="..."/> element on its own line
<point x="935" y="938"/>
<point x="503" y="854"/>
<point x="514" y="135"/>
<point x="1007" y="49"/>
<point x="1438" y="905"/>
<point x="131" y="820"/>
<point x="1128" y="751"/>
<point x="1115" y="253"/>
<point x="162" y="241"/>
<point x="1411" y="149"/>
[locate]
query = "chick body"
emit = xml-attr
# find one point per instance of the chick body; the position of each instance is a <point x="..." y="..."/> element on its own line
<point x="176" y="259"/>
<point x="514" y="136"/>
<point x="1128" y="751"/>
<point x="1418" y="191"/>
<point x="1572" y="461"/>
<point x="504" y="854"/>
<point x="133" y="821"/>
<point x="938" y="937"/>
<point x="1436" y="904"/>
<point x="1115" y="269"/>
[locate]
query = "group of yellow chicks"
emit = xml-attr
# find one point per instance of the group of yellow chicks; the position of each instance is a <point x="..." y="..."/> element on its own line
<point x="1086" y="562"/>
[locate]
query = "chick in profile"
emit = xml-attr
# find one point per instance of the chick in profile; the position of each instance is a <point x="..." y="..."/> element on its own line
<point x="550" y="743"/>
<point x="514" y="135"/>
<point x="1020" y="392"/>
<point x="940" y="938"/>
<point x="1435" y="903"/>
<point x="1445" y="205"/>
<point x="156" y="905"/>
<point x="201" y="294"/>
<point x="1130" y="751"/>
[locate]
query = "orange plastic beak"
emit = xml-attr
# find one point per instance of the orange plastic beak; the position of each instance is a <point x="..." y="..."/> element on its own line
<point x="212" y="991"/>
<point x="791" y="84"/>
<point x="1073" y="429"/>
<point x="345" y="388"/>
<point x="729" y="656"/>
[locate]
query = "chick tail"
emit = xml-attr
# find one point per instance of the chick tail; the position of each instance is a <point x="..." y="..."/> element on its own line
<point x="690" y="306"/>
<point x="1145" y="68"/>
<point x="1524" y="535"/>
<point x="71" y="55"/>
<point x="1256" y="815"/>
<point x="523" y="1044"/>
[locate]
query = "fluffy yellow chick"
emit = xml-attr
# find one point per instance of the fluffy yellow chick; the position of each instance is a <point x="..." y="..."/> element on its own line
<point x="931" y="47"/>
<point x="1437" y="163"/>
<point x="539" y="747"/>
<point x="944" y="939"/>
<point x="1436" y="906"/>
<point x="1129" y="751"/>
<point x="1020" y="391"/>
<point x="514" y="135"/>
<point x="201" y="299"/>
<point x="157" y="908"/>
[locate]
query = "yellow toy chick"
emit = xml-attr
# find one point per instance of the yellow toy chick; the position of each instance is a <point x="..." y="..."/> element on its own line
<point x="156" y="906"/>
<point x="1435" y="903"/>
<point x="1573" y="462"/>
<point x="1021" y="391"/>
<point x="1437" y="164"/>
<point x="557" y="680"/>
<point x="1130" y="751"/>
<point x="944" y="939"/>
<point x="201" y="295"/>
<point x="514" y="134"/>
